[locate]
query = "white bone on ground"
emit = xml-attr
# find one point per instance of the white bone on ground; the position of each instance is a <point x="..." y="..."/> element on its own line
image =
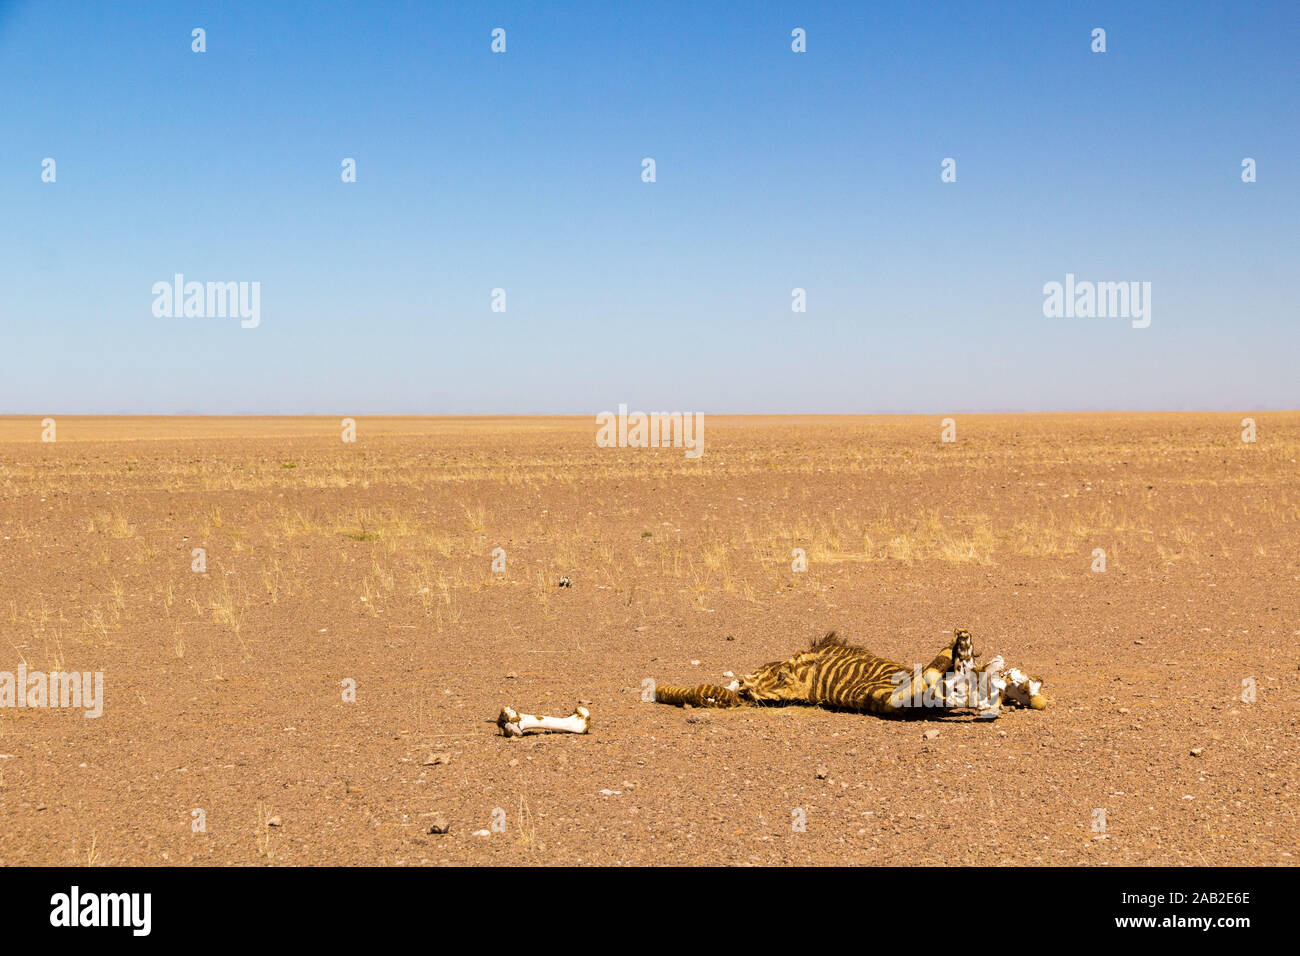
<point x="1020" y="688"/>
<point x="990" y="691"/>
<point x="990" y="685"/>
<point x="967" y="687"/>
<point x="517" y="724"/>
<point x="959" y="687"/>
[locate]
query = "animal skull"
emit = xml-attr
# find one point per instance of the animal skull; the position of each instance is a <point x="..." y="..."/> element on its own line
<point x="988" y="688"/>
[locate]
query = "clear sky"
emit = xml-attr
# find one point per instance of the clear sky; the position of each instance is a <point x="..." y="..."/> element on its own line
<point x="523" y="171"/>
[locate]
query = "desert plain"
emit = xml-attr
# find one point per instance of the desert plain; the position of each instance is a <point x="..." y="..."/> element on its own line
<point x="305" y="641"/>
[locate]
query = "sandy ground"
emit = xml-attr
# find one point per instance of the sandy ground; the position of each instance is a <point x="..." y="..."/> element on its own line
<point x="1171" y="737"/>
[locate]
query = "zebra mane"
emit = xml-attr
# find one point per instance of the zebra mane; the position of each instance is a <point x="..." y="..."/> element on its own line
<point x="832" y="639"/>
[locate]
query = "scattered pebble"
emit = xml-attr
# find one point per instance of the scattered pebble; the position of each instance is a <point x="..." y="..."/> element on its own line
<point x="273" y="821"/>
<point x="930" y="734"/>
<point x="482" y="833"/>
<point x="439" y="824"/>
<point x="1197" y="751"/>
<point x="434" y="759"/>
<point x="821" y="773"/>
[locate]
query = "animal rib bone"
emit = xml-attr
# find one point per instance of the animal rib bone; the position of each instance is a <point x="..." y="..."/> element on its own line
<point x="515" y="724"/>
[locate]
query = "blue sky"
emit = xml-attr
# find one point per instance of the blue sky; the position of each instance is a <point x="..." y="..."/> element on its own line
<point x="522" y="171"/>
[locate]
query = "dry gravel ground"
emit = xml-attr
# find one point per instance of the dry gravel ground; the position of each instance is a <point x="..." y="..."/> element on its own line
<point x="372" y="561"/>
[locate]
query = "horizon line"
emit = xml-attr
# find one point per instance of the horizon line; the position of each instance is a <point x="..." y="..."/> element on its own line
<point x="649" y="410"/>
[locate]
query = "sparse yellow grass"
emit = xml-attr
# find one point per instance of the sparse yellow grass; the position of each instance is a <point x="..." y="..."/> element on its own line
<point x="263" y="832"/>
<point x="410" y="526"/>
<point x="229" y="608"/>
<point x="527" y="826"/>
<point x="93" y="857"/>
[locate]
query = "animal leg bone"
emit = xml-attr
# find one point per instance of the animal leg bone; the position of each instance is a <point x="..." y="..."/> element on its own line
<point x="515" y="724"/>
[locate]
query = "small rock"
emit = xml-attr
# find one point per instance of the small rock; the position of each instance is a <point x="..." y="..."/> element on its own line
<point x="439" y="824"/>
<point x="930" y="734"/>
<point x="695" y="663"/>
<point x="273" y="821"/>
<point x="482" y="833"/>
<point x="510" y="676"/>
<point x="822" y="773"/>
<point x="1123" y="710"/>
<point x="1197" y="751"/>
<point x="434" y="760"/>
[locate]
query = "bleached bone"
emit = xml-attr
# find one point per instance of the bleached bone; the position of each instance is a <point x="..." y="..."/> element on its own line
<point x="989" y="691"/>
<point x="980" y="690"/>
<point x="515" y="724"/>
<point x="953" y="686"/>
<point x="1009" y="684"/>
<point x="1023" y="690"/>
